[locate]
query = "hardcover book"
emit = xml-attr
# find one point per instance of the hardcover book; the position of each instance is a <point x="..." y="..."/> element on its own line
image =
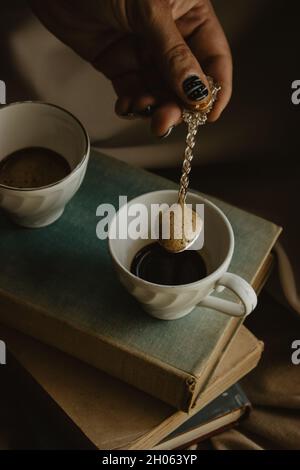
<point x="73" y="405"/>
<point x="58" y="285"/>
<point x="222" y="413"/>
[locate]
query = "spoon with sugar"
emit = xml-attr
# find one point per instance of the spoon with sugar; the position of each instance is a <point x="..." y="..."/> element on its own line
<point x="180" y="225"/>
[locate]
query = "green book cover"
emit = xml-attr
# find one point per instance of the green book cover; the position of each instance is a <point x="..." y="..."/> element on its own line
<point x="58" y="285"/>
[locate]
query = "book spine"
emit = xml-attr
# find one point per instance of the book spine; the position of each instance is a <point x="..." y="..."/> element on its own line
<point x="154" y="377"/>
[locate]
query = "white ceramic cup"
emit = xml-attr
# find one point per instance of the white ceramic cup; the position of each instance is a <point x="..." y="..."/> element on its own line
<point x="172" y="302"/>
<point x="36" y="124"/>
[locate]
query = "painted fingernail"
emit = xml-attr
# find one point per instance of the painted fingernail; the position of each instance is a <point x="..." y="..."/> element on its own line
<point x="148" y="111"/>
<point x="167" y="133"/>
<point x="195" y="89"/>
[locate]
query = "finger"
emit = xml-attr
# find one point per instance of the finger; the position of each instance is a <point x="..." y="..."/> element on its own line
<point x="180" y="67"/>
<point x="165" y="118"/>
<point x="145" y="105"/>
<point x="210" y="46"/>
<point x="221" y="70"/>
<point x="127" y="87"/>
<point x="119" y="58"/>
<point x="118" y="61"/>
<point x="123" y="107"/>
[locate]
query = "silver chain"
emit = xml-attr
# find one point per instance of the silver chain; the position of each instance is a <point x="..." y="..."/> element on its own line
<point x="194" y="119"/>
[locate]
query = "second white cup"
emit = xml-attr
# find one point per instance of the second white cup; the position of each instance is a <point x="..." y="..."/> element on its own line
<point x="36" y="124"/>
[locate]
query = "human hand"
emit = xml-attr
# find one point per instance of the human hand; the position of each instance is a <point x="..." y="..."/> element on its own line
<point x="157" y="53"/>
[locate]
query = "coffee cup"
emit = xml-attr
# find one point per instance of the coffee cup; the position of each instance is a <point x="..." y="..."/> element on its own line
<point x="36" y="124"/>
<point x="170" y="302"/>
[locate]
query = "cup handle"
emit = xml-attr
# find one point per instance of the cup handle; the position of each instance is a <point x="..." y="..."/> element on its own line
<point x="241" y="289"/>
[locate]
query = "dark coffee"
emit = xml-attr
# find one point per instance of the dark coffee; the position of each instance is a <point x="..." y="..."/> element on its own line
<point x="33" y="167"/>
<point x="154" y="264"/>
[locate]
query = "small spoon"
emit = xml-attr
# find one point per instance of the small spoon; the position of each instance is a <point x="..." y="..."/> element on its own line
<point x="179" y="227"/>
<point x="183" y="223"/>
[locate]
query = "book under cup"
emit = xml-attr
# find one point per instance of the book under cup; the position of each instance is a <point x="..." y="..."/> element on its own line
<point x="57" y="284"/>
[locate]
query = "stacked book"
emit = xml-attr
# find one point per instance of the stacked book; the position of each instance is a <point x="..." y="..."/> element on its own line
<point x="124" y="379"/>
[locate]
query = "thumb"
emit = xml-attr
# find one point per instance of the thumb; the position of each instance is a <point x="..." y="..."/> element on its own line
<point x="181" y="69"/>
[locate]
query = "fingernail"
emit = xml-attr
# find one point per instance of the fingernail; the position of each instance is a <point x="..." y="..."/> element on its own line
<point x="148" y="111"/>
<point x="167" y="133"/>
<point x="195" y="89"/>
